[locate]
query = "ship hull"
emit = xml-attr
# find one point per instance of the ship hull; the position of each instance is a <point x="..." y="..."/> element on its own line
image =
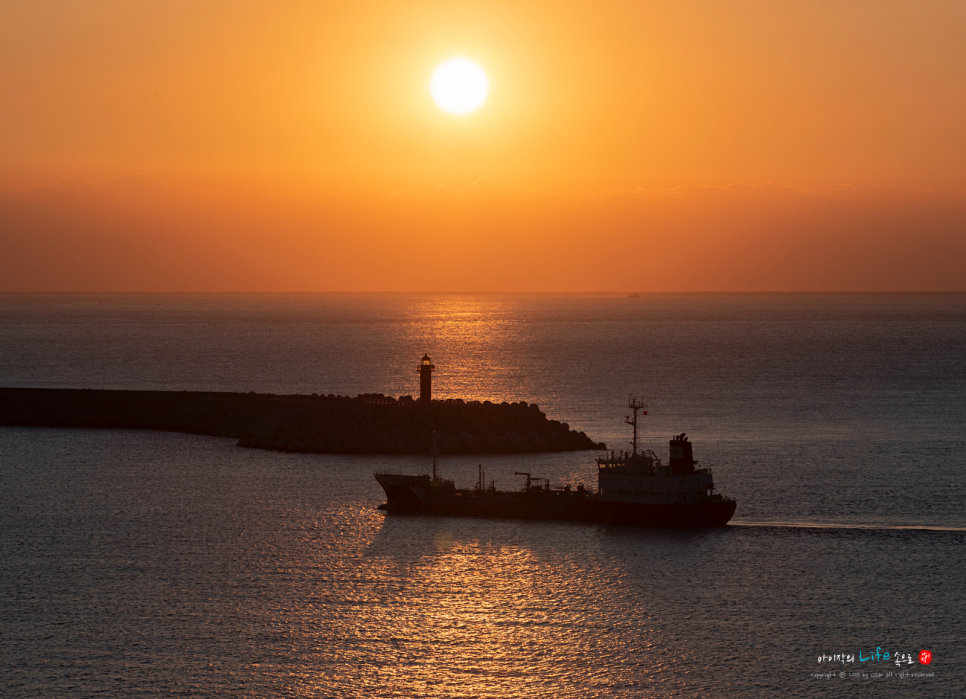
<point x="407" y="495"/>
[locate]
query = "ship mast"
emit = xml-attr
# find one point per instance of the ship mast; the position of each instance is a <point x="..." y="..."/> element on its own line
<point x="635" y="405"/>
<point x="435" y="451"/>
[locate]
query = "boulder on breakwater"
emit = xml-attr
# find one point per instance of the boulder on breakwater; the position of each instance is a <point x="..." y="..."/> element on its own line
<point x="366" y="424"/>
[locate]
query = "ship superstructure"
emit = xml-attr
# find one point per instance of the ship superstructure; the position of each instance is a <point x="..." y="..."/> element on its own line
<point x="642" y="477"/>
<point x="633" y="487"/>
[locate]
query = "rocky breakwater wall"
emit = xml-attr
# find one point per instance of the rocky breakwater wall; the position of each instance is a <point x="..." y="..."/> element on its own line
<point x="369" y="423"/>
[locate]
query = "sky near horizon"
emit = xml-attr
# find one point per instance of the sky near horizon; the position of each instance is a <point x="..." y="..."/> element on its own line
<point x="639" y="146"/>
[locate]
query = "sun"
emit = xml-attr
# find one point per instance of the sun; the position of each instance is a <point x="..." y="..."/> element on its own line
<point x="459" y="86"/>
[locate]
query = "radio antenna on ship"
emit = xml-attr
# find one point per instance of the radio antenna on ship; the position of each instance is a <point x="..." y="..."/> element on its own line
<point x="435" y="451"/>
<point x="635" y="405"/>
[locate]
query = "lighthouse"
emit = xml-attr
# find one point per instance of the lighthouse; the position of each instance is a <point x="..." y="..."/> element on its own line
<point x="425" y="369"/>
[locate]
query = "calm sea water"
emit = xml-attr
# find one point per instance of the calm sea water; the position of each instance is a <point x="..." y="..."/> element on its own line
<point x="137" y="563"/>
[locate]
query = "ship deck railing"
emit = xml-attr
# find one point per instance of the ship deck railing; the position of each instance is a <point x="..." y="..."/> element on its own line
<point x="516" y="496"/>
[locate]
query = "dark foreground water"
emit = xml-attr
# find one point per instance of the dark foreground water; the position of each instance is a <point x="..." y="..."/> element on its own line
<point x="137" y="563"/>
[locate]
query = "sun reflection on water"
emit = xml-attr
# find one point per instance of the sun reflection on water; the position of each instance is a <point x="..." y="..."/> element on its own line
<point x="471" y="336"/>
<point x="472" y="616"/>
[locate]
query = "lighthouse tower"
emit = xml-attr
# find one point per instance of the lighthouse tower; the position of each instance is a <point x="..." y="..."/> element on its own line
<point x="425" y="369"/>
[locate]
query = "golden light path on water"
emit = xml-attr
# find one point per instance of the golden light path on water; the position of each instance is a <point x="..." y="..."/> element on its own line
<point x="464" y="616"/>
<point x="485" y="347"/>
<point x="471" y="337"/>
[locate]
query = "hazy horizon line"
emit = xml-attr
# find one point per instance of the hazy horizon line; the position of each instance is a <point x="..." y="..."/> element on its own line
<point x="614" y="294"/>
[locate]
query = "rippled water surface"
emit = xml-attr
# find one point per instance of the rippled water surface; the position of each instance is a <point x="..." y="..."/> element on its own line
<point x="136" y="563"/>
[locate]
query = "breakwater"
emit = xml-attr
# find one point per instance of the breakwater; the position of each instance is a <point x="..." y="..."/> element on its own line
<point x="365" y="424"/>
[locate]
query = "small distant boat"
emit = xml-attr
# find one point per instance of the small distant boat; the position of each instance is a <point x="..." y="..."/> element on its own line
<point x="635" y="295"/>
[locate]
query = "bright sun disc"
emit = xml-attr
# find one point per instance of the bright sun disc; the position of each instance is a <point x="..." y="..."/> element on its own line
<point x="459" y="86"/>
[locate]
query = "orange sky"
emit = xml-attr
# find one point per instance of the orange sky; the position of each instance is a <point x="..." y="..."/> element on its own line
<point x="208" y="145"/>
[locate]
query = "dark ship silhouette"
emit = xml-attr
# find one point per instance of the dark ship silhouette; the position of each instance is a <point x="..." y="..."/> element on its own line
<point x="634" y="488"/>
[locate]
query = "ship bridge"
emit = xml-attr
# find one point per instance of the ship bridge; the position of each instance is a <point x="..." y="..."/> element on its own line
<point x="645" y="463"/>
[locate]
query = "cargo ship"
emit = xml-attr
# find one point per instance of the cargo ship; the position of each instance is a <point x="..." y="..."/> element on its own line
<point x="633" y="488"/>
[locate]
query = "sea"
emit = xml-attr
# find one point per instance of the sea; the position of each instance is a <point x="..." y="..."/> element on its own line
<point x="143" y="563"/>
